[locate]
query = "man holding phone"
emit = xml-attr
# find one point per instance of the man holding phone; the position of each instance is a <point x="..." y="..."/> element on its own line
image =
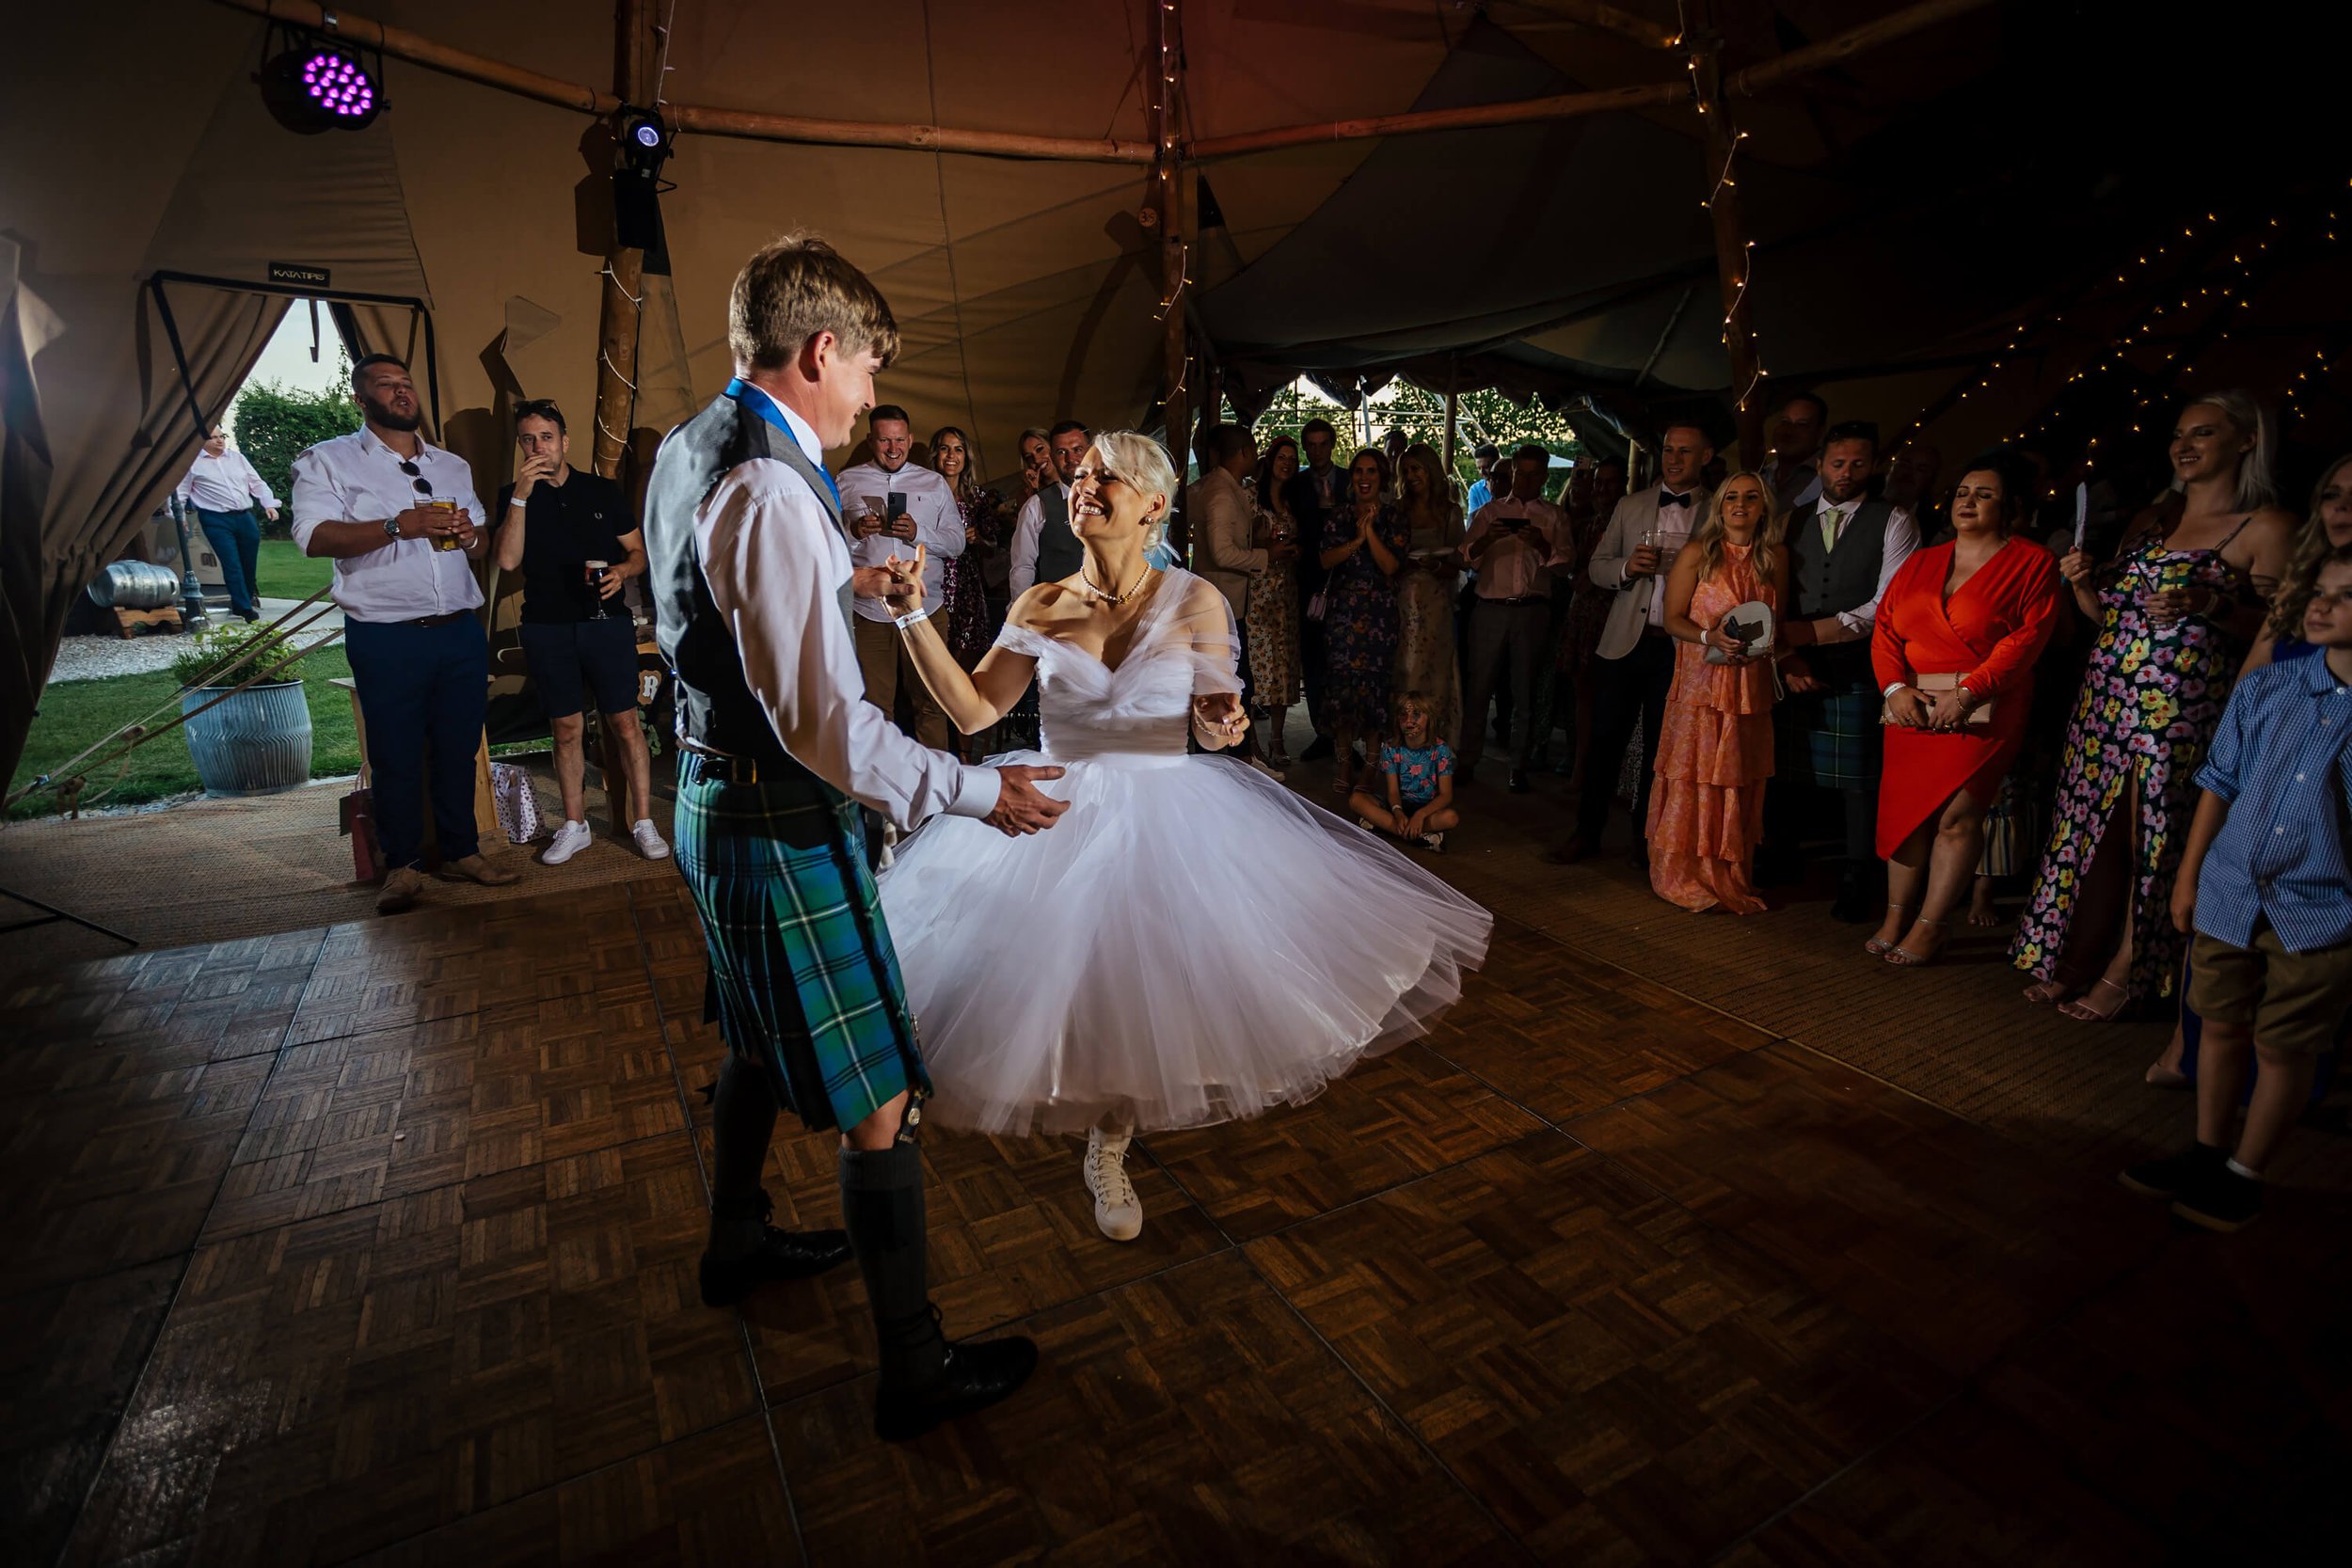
<point x="890" y="506"/>
<point x="1514" y="545"/>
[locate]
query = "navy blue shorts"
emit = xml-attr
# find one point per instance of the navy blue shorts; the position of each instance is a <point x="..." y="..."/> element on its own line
<point x="568" y="658"/>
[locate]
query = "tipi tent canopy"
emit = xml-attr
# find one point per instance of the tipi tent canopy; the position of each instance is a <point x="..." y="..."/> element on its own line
<point x="1106" y="209"/>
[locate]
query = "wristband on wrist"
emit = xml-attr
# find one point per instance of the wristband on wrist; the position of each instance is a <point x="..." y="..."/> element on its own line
<point x="1893" y="687"/>
<point x="906" y="621"/>
<point x="517" y="500"/>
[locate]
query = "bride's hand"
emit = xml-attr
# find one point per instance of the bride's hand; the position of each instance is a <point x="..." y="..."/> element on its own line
<point x="904" y="587"/>
<point x="1220" y="719"/>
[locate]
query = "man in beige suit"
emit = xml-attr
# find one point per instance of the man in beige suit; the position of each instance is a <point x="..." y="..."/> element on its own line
<point x="1635" y="662"/>
<point x="1225" y="525"/>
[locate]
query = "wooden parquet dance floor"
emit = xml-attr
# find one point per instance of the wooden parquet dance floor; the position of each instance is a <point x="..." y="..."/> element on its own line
<point x="376" y="1243"/>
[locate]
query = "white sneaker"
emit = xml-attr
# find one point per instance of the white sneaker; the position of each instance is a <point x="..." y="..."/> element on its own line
<point x="648" y="839"/>
<point x="1434" y="842"/>
<point x="1118" y="1211"/>
<point x="889" y="855"/>
<point x="569" y="840"/>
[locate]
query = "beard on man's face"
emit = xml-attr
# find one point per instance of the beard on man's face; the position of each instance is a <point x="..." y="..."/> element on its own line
<point x="379" y="412"/>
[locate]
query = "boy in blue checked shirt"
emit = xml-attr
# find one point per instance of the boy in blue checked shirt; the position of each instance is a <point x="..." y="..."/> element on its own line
<point x="2265" y="892"/>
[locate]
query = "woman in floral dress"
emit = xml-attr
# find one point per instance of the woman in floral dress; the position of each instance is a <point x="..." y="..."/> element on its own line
<point x="1715" y="750"/>
<point x="2175" y="609"/>
<point x="1273" y="613"/>
<point x="1364" y="542"/>
<point x="962" y="595"/>
<point x="1426" y="588"/>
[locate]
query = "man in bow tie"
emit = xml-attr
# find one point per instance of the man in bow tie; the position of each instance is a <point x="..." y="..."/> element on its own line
<point x="1843" y="550"/>
<point x="1634" y="662"/>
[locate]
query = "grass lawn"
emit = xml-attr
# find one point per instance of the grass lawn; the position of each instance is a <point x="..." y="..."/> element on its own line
<point x="78" y="713"/>
<point x="286" y="573"/>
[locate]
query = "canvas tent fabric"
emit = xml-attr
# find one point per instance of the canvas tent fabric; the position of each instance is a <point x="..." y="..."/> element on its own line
<point x="1028" y="290"/>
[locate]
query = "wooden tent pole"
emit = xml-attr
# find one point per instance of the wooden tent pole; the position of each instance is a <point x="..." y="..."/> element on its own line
<point x="1167" y="178"/>
<point x="624" y="265"/>
<point x="1609" y="19"/>
<point x="1734" y="254"/>
<point x="1846" y="45"/>
<point x="1453" y="412"/>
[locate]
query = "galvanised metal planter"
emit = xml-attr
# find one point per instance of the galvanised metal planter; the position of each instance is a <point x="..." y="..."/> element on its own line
<point x="258" y="742"/>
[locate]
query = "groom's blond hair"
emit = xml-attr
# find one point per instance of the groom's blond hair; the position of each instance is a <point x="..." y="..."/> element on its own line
<point x="796" y="286"/>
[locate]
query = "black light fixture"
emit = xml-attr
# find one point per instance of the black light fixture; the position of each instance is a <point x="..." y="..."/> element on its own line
<point x="643" y="147"/>
<point x="316" y="82"/>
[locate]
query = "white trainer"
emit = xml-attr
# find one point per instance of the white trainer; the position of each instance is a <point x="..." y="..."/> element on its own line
<point x="648" y="839"/>
<point x="569" y="840"/>
<point x="1118" y="1211"/>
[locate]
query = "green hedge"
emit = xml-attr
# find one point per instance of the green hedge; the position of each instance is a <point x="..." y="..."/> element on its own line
<point x="274" y="423"/>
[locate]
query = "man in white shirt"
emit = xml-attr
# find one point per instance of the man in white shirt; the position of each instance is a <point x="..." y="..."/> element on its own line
<point x="1843" y="550"/>
<point x="752" y="584"/>
<point x="399" y="517"/>
<point x="1045" y="546"/>
<point x="1515" y="544"/>
<point x="1633" y="664"/>
<point x="892" y="506"/>
<point x="221" y="487"/>
<point x="1792" y="471"/>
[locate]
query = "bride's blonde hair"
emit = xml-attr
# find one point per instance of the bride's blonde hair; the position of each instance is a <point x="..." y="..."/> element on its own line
<point x="1142" y="463"/>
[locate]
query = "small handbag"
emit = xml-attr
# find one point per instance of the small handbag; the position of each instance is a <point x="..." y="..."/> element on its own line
<point x="1936" y="686"/>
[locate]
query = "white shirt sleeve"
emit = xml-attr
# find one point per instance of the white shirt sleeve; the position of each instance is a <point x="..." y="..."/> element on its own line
<point x="1021" y="566"/>
<point x="1902" y="537"/>
<point x="763" y="532"/>
<point x="316" y="498"/>
<point x="253" y="482"/>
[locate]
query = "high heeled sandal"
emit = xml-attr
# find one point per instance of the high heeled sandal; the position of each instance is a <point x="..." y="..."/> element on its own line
<point x="1877" y="949"/>
<point x="2081" y="1010"/>
<point x="2041" y="994"/>
<point x="1904" y="958"/>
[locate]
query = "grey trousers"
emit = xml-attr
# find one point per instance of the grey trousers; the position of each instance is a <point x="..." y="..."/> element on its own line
<point x="1511" y="636"/>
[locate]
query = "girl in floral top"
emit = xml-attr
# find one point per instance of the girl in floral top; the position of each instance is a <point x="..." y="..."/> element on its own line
<point x="1417" y="770"/>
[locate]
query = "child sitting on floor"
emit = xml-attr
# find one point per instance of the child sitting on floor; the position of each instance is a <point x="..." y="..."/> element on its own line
<point x="1418" y="774"/>
<point x="2266" y="894"/>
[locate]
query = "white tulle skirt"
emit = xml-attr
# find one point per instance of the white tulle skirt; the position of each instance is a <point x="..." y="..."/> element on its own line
<point x="1189" y="945"/>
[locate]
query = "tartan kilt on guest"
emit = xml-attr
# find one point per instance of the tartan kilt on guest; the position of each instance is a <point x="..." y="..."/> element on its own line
<point x="804" y="980"/>
<point x="1831" y="739"/>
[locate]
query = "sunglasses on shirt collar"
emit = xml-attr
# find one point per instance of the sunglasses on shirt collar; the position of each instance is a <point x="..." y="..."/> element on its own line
<point x="416" y="476"/>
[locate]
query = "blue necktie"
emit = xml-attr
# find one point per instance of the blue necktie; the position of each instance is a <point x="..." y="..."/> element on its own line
<point x="765" y="408"/>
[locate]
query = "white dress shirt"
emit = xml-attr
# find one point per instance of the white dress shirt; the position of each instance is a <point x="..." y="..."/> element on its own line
<point x="1676" y="525"/>
<point x="1520" y="563"/>
<point x="1020" y="565"/>
<point x="1902" y="537"/>
<point x="357" y="479"/>
<point x="775" y="563"/>
<point x="223" y="483"/>
<point x="938" y="527"/>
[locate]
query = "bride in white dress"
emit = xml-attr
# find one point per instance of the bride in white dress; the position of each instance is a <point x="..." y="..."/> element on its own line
<point x="1192" y="943"/>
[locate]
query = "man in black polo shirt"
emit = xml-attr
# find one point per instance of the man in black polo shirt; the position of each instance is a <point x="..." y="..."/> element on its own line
<point x="577" y="634"/>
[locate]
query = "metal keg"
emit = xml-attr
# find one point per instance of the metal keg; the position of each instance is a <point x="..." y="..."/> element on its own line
<point x="135" y="585"/>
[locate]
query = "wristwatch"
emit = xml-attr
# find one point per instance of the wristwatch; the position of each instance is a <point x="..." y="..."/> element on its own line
<point x="391" y="528"/>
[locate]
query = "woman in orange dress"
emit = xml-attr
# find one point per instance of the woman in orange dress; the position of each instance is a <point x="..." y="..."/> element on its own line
<point x="1715" y="750"/>
<point x="1977" y="612"/>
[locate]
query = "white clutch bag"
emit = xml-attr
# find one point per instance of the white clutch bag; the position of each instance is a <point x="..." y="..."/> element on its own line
<point x="1752" y="624"/>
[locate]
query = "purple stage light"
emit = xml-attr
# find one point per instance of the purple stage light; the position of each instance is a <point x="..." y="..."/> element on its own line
<point x="316" y="84"/>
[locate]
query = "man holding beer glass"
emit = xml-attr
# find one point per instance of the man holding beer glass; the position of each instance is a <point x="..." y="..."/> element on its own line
<point x="573" y="538"/>
<point x="398" y="516"/>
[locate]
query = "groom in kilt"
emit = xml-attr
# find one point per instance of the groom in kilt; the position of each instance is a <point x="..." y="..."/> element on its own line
<point x="752" y="585"/>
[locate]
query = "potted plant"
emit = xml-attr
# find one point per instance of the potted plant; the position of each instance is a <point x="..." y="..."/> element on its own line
<point x="255" y="741"/>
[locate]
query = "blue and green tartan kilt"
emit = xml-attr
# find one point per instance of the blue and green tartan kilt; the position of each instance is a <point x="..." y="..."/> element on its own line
<point x="804" y="981"/>
<point x="1830" y="740"/>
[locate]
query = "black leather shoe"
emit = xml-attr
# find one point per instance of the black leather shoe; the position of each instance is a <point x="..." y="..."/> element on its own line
<point x="781" y="1255"/>
<point x="1852" y="906"/>
<point x="1317" y="749"/>
<point x="976" y="1374"/>
<point x="1519" y="782"/>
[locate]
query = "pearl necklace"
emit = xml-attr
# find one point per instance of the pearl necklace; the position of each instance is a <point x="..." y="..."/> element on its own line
<point x="1106" y="595"/>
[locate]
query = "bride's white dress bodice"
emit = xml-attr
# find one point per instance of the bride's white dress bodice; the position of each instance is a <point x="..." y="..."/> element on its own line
<point x="1141" y="707"/>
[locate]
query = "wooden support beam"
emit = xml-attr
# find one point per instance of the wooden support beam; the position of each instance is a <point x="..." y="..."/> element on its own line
<point x="1735" y="255"/>
<point x="402" y="44"/>
<point x="1572" y="106"/>
<point x="1167" y="68"/>
<point x="925" y="138"/>
<point x="624" y="265"/>
<point x="1846" y="45"/>
<point x="1609" y="19"/>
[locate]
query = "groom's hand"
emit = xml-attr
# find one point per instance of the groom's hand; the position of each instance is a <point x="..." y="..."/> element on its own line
<point x="1021" y="806"/>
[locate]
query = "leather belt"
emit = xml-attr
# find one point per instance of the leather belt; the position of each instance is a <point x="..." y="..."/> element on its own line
<point x="1523" y="599"/>
<point x="717" y="767"/>
<point x="419" y="620"/>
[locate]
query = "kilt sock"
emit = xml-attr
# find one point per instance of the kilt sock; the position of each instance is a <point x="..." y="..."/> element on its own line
<point x="881" y="1208"/>
<point x="742" y="1122"/>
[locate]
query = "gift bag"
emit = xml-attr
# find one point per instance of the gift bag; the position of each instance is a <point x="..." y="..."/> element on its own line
<point x="358" y="821"/>
<point x="516" y="803"/>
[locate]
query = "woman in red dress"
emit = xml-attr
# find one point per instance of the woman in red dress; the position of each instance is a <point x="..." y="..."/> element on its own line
<point x="1964" y="621"/>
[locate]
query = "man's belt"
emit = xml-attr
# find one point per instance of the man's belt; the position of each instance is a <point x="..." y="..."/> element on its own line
<point x="700" y="765"/>
<point x="1523" y="599"/>
<point x="420" y="621"/>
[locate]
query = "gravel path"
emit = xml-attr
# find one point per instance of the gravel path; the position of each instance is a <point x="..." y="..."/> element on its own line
<point x="90" y="659"/>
